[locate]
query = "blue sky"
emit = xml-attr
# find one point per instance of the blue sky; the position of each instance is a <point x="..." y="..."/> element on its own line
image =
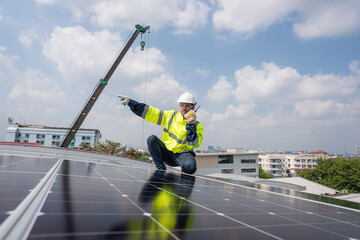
<point x="274" y="75"/>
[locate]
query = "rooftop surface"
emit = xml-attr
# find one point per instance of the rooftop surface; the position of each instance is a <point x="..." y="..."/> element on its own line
<point x="75" y="195"/>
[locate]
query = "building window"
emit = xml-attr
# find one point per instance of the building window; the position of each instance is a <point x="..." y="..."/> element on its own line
<point x="228" y="171"/>
<point x="40" y="136"/>
<point x="40" y="142"/>
<point x="248" y="160"/>
<point x="26" y="135"/>
<point x="55" y="136"/>
<point x="247" y="170"/>
<point x="226" y="159"/>
<point x="85" y="138"/>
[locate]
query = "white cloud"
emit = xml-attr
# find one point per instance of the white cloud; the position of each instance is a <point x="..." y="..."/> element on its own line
<point x="283" y="84"/>
<point x="182" y="16"/>
<point x="233" y="114"/>
<point x="323" y="85"/>
<point x="34" y="97"/>
<point x="327" y="19"/>
<point x="46" y="2"/>
<point x="79" y="54"/>
<point x="354" y="67"/>
<point x="79" y="8"/>
<point x="1" y="17"/>
<point x="8" y="61"/>
<point x="313" y="18"/>
<point x="331" y="110"/>
<point x="161" y="92"/>
<point x="34" y="86"/>
<point x="84" y="57"/>
<point x="26" y="37"/>
<point x="269" y="82"/>
<point x="246" y="17"/>
<point x="194" y="15"/>
<point x="315" y="109"/>
<point x="274" y="105"/>
<point x="220" y="91"/>
<point x="202" y="72"/>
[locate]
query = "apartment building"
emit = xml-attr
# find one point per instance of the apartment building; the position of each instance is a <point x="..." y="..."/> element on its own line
<point x="274" y="163"/>
<point x="49" y="136"/>
<point x="283" y="165"/>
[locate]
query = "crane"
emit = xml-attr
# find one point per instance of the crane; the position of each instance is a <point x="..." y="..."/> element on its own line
<point x="70" y="134"/>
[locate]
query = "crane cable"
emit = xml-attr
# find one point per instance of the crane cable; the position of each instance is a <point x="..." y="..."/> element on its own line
<point x="142" y="45"/>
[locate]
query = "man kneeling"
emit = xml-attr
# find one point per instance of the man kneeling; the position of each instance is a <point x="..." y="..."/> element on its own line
<point x="182" y="132"/>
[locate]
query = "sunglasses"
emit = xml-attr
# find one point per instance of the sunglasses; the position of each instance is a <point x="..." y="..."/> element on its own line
<point x="185" y="105"/>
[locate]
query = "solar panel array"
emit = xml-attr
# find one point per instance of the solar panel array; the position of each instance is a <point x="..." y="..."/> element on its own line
<point x="89" y="200"/>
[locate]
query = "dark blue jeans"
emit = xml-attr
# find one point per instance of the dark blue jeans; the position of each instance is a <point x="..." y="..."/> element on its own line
<point x="161" y="156"/>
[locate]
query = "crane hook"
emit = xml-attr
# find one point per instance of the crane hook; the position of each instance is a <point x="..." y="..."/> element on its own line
<point x="142" y="44"/>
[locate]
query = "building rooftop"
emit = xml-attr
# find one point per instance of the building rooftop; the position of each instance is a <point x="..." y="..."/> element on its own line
<point x="56" y="128"/>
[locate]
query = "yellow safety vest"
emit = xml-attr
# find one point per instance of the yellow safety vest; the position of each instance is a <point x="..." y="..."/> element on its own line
<point x="174" y="133"/>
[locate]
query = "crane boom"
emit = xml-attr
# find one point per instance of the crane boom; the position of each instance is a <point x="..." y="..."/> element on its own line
<point x="98" y="89"/>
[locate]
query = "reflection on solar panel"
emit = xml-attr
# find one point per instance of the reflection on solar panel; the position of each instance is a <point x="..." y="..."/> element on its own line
<point x="87" y="200"/>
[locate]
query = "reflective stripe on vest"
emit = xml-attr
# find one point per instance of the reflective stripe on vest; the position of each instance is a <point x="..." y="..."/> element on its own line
<point x="160" y="117"/>
<point x="173" y="136"/>
<point x="146" y="109"/>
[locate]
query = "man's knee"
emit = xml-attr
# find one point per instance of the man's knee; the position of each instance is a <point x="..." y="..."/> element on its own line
<point x="152" y="139"/>
<point x="189" y="170"/>
<point x="189" y="167"/>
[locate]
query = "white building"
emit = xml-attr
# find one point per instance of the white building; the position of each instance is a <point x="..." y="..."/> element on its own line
<point x="281" y="165"/>
<point x="296" y="163"/>
<point x="274" y="163"/>
<point x="231" y="162"/>
<point x="49" y="136"/>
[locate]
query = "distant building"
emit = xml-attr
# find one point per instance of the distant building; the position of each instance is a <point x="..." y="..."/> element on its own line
<point x="283" y="164"/>
<point x="212" y="149"/>
<point x="234" y="161"/>
<point x="274" y="163"/>
<point x="319" y="154"/>
<point x="49" y="136"/>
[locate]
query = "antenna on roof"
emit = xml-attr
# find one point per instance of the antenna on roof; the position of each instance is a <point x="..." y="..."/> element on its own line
<point x="10" y="120"/>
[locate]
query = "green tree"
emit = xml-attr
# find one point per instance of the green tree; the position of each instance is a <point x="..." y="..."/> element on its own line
<point x="339" y="173"/>
<point x="134" y="154"/>
<point x="109" y="147"/>
<point x="264" y="174"/>
<point x="85" y="147"/>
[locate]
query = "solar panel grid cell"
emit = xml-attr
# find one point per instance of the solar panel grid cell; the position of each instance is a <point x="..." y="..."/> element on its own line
<point x="18" y="176"/>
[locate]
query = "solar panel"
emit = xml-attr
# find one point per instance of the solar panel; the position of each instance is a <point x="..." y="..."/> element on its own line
<point x="103" y="201"/>
<point x="18" y="176"/>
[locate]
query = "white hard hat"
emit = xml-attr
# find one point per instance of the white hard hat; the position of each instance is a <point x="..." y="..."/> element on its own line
<point x="187" y="97"/>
